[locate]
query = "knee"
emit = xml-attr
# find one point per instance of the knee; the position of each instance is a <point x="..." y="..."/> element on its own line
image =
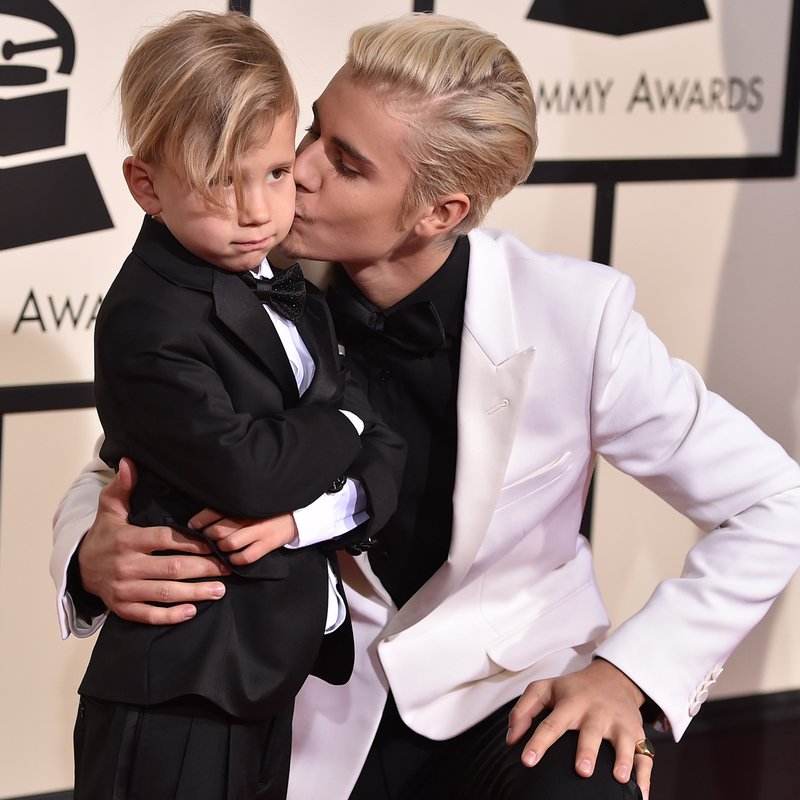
<point x="555" y="778"/>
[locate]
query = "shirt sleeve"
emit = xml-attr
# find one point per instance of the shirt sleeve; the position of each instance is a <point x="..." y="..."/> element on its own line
<point x="330" y="515"/>
<point x="73" y="517"/>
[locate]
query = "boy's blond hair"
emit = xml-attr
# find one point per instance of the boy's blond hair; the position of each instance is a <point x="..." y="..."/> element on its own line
<point x="198" y="91"/>
<point x="467" y="98"/>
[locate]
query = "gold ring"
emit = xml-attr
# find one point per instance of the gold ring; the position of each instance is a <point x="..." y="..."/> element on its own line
<point x="644" y="747"/>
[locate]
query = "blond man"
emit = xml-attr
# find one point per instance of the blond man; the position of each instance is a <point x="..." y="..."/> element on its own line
<point x="483" y="668"/>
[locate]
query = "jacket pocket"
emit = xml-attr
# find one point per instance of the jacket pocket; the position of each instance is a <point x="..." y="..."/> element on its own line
<point x="533" y="481"/>
<point x="574" y="620"/>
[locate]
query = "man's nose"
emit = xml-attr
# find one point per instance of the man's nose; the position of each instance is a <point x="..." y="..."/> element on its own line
<point x="306" y="169"/>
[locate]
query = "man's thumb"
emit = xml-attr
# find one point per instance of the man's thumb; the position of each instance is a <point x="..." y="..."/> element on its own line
<point x="126" y="476"/>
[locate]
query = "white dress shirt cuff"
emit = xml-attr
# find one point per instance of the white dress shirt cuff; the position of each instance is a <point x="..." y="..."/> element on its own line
<point x="330" y="515"/>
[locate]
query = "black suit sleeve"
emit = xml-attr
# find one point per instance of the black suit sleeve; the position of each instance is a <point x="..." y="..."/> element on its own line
<point x="378" y="466"/>
<point x="163" y="403"/>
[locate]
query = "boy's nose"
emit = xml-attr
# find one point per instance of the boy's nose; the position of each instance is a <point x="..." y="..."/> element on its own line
<point x="254" y="209"/>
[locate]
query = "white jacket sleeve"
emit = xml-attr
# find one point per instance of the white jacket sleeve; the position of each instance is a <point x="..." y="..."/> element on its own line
<point x="73" y="517"/>
<point x="654" y="418"/>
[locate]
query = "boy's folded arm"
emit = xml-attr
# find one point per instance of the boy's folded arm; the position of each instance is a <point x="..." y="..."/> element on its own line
<point x="378" y="467"/>
<point x="237" y="463"/>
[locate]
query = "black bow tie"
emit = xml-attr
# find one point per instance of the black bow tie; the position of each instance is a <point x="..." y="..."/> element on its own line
<point x="415" y="329"/>
<point x="285" y="293"/>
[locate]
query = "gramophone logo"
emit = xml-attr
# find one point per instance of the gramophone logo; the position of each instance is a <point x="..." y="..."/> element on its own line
<point x="49" y="198"/>
<point x="618" y="17"/>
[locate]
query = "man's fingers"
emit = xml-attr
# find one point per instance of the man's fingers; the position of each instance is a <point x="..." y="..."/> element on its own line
<point x="180" y="594"/>
<point x="644" y="770"/>
<point x="151" y="540"/>
<point x="589" y="741"/>
<point x="599" y="701"/>
<point x="547" y="731"/>
<point x="126" y="475"/>
<point x="165" y="591"/>
<point x="173" y="568"/>
<point x="155" y="615"/>
<point x="115" y="498"/>
<point x="528" y="706"/>
<point x="623" y="763"/>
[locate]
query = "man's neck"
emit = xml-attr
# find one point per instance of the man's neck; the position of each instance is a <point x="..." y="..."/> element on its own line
<point x="387" y="283"/>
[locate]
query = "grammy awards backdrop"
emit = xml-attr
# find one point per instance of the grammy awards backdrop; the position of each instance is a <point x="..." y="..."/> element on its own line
<point x="669" y="135"/>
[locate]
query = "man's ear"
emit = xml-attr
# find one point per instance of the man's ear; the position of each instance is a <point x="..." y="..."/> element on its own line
<point x="442" y="217"/>
<point x="139" y="177"/>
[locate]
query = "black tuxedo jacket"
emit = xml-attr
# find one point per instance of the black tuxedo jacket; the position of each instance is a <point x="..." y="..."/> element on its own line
<point x="193" y="383"/>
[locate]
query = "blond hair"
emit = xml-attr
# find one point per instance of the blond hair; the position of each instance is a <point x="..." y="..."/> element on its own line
<point x="468" y="100"/>
<point x="198" y="91"/>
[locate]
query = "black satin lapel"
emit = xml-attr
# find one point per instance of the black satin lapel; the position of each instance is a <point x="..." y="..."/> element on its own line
<point x="316" y="329"/>
<point x="238" y="309"/>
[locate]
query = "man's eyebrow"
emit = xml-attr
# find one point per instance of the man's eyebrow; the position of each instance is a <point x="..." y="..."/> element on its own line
<point x="343" y="145"/>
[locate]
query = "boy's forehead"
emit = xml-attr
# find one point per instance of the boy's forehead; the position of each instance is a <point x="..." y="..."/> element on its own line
<point x="271" y="129"/>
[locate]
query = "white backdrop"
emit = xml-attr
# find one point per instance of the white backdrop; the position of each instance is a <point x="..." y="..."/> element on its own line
<point x="671" y="120"/>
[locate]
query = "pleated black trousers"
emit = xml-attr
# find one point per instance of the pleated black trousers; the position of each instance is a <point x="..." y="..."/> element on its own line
<point x="183" y="750"/>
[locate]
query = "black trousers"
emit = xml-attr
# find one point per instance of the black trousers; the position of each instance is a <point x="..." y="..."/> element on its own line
<point x="183" y="750"/>
<point x="478" y="765"/>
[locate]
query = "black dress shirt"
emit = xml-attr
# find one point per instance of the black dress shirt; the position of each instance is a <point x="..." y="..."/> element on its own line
<point x="415" y="393"/>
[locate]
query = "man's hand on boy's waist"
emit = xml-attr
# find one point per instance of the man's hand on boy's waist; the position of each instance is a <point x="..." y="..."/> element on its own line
<point x="117" y="563"/>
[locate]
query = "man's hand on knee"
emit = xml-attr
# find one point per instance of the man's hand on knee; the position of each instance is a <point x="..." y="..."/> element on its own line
<point x="600" y="702"/>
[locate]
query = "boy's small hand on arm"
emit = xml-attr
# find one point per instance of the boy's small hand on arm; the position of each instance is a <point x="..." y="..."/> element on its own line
<point x="600" y="702"/>
<point x="118" y="566"/>
<point x="247" y="539"/>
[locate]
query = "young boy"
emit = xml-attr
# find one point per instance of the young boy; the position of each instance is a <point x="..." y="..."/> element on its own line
<point x="226" y="391"/>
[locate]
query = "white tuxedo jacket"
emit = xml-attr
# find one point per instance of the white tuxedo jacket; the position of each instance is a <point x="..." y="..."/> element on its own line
<point x="556" y="367"/>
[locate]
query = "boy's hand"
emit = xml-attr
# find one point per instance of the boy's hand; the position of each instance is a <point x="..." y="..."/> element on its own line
<point x="118" y="566"/>
<point x="247" y="539"/>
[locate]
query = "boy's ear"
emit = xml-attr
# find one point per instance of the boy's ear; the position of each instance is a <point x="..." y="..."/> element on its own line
<point x="443" y="216"/>
<point x="139" y="177"/>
